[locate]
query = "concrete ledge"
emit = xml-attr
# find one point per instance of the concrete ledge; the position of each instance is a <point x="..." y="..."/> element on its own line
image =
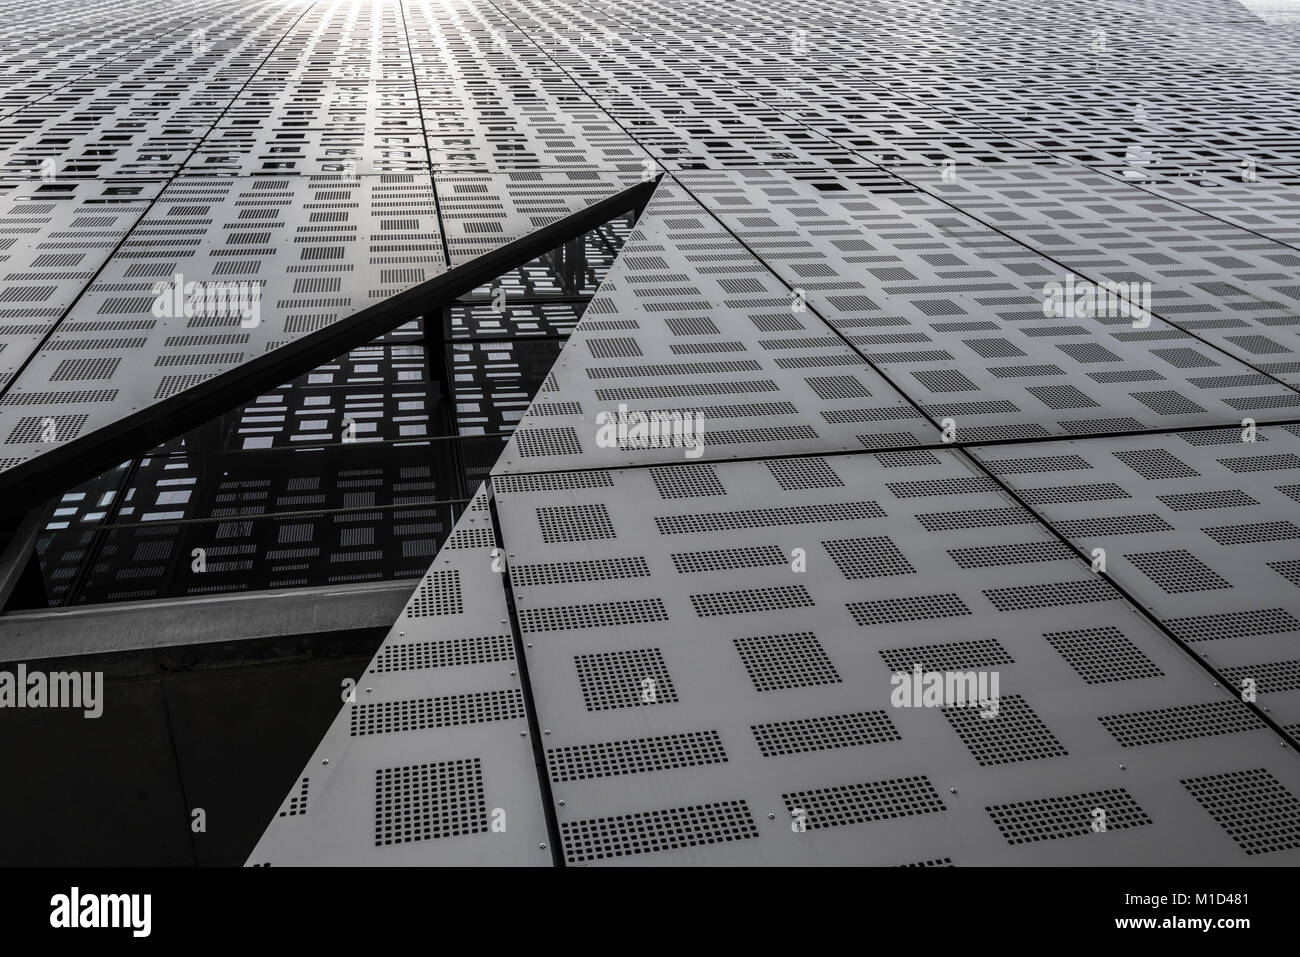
<point x="200" y="620"/>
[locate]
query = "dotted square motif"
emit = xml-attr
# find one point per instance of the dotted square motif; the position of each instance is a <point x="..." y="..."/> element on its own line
<point x="686" y="481"/>
<point x="873" y="557"/>
<point x="1103" y="654"/>
<point x="1256" y="810"/>
<point x="777" y="662"/>
<point x="793" y="474"/>
<point x="425" y="802"/>
<point x="624" y="679"/>
<point x="1177" y="571"/>
<point x="1015" y="734"/>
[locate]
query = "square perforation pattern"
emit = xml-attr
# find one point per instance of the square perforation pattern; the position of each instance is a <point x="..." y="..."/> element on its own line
<point x="1256" y="809"/>
<point x="792" y="287"/>
<point x="1197" y="542"/>
<point x="426" y="802"/>
<point x="775" y="662"/>
<point x="811" y="705"/>
<point x="624" y="679"/>
<point x="1013" y="733"/>
<point x="1054" y="818"/>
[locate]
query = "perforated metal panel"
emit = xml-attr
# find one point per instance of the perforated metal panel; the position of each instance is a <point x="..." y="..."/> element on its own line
<point x="378" y="791"/>
<point x="844" y="272"/>
<point x="790" y="672"/>
<point x="1195" y="526"/>
<point x="775" y="376"/>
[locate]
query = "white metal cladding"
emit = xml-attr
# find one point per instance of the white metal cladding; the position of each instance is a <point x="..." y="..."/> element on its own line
<point x="1199" y="526"/>
<point x="698" y="691"/>
<point x="430" y="760"/>
<point x="914" y="174"/>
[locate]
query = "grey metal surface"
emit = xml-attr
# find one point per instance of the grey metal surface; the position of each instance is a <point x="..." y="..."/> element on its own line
<point x="690" y="323"/>
<point x="1200" y="527"/>
<point x="920" y="559"/>
<point x="915" y="179"/>
<point x="431" y="762"/>
<point x="954" y="312"/>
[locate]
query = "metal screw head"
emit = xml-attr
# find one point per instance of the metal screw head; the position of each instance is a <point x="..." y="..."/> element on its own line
<point x="542" y="845"/>
<point x="1123" y="767"/>
<point x="952" y="790"/>
<point x="325" y="761"/>
<point x="561" y="804"/>
<point x="771" y="817"/>
<point x="547" y="731"/>
<point x="523" y="734"/>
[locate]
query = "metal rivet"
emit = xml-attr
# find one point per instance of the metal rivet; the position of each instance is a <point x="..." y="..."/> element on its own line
<point x="952" y="790"/>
